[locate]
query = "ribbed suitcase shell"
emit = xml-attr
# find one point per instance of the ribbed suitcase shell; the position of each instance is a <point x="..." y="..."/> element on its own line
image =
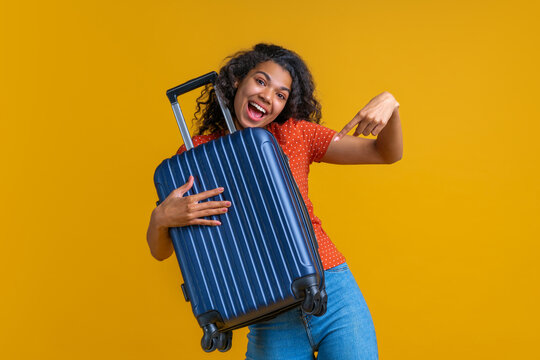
<point x="243" y="270"/>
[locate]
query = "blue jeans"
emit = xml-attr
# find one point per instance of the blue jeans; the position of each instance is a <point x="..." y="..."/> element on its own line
<point x="345" y="332"/>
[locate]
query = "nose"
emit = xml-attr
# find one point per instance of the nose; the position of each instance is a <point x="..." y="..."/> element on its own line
<point x="265" y="95"/>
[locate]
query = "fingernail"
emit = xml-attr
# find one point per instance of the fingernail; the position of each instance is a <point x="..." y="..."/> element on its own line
<point x="228" y="203"/>
<point x="218" y="223"/>
<point x="225" y="210"/>
<point x="221" y="189"/>
<point x="336" y="138"/>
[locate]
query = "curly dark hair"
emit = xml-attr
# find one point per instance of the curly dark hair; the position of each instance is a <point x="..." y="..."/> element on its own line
<point x="301" y="104"/>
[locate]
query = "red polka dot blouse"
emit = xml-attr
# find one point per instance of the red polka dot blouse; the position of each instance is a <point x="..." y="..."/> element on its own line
<point x="304" y="143"/>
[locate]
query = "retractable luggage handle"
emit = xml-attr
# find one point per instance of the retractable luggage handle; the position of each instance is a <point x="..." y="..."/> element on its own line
<point x="193" y="84"/>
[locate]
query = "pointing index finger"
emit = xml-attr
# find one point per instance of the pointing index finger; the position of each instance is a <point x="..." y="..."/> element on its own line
<point x="346" y="129"/>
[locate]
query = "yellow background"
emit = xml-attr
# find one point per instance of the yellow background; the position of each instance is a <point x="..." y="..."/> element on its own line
<point x="444" y="244"/>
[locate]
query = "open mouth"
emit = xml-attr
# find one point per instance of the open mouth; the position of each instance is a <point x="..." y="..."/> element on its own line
<point x="255" y="111"/>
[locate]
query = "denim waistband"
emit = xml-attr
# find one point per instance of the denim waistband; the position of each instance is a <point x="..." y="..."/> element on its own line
<point x="338" y="268"/>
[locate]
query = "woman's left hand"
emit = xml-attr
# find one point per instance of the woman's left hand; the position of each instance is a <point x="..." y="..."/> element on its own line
<point x="373" y="117"/>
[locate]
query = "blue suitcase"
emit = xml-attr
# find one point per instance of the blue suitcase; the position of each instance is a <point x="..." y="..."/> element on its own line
<point x="263" y="259"/>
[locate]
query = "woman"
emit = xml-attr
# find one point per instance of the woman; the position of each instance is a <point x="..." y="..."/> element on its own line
<point x="271" y="87"/>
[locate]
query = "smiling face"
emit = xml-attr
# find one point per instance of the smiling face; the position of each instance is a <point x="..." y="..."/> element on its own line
<point x="262" y="95"/>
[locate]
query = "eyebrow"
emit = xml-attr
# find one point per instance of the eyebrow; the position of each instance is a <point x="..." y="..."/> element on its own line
<point x="269" y="79"/>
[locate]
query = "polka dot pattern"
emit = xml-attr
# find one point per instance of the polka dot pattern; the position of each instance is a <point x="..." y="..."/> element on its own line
<point x="304" y="143"/>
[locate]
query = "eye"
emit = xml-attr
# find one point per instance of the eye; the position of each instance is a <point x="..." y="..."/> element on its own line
<point x="281" y="96"/>
<point x="260" y="81"/>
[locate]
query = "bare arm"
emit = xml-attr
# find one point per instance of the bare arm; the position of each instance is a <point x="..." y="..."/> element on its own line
<point x="158" y="238"/>
<point x="379" y="117"/>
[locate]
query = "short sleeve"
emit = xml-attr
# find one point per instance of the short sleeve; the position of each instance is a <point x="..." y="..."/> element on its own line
<point x="198" y="140"/>
<point x="318" y="139"/>
<point x="181" y="149"/>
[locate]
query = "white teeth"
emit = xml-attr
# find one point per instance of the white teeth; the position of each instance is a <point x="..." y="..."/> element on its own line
<point x="258" y="107"/>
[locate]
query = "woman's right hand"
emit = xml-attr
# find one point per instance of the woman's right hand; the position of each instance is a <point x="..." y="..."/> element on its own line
<point x="179" y="210"/>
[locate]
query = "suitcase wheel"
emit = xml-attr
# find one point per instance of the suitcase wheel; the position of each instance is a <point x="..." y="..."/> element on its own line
<point x="315" y="301"/>
<point x="212" y="339"/>
<point x="225" y="341"/>
<point x="312" y="300"/>
<point x="324" y="299"/>
<point x="208" y="342"/>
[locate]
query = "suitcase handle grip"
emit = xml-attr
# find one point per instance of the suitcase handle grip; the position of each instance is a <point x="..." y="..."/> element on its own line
<point x="193" y="84"/>
<point x="175" y="92"/>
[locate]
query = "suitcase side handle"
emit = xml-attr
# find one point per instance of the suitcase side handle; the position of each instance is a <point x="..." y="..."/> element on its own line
<point x="172" y="95"/>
